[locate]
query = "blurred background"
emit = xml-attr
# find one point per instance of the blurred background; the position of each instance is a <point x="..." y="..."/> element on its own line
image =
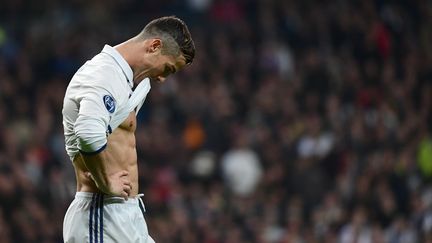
<point x="298" y="122"/>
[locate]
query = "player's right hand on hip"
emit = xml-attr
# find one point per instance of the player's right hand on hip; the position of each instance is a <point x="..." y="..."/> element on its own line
<point x="120" y="184"/>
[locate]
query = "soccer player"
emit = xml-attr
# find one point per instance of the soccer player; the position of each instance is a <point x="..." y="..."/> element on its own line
<point x="99" y="119"/>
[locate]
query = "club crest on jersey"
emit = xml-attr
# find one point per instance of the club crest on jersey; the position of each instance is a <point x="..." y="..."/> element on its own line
<point x="109" y="103"/>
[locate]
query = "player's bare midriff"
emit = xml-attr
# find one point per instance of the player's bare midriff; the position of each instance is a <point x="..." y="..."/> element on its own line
<point x="122" y="146"/>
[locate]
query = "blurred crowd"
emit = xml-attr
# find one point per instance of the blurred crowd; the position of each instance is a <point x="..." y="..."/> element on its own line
<point x="298" y="122"/>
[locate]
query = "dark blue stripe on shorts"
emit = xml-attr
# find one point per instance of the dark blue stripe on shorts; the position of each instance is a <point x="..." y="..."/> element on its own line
<point x="91" y="219"/>
<point x="101" y="217"/>
<point x="96" y="218"/>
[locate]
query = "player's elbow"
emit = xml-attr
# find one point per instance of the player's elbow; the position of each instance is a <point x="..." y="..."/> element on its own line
<point x="91" y="135"/>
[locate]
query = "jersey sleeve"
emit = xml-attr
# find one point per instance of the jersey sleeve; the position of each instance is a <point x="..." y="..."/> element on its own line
<point x="97" y="103"/>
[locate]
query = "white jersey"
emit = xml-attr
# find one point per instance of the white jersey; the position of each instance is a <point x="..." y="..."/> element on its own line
<point x="98" y="99"/>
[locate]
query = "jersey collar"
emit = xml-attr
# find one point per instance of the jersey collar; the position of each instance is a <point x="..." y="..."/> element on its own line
<point x="127" y="70"/>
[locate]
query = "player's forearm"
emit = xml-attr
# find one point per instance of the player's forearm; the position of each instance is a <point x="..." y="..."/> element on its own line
<point x="92" y="142"/>
<point x="96" y="163"/>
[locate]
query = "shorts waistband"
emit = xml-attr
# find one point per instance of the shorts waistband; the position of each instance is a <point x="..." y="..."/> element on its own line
<point x="108" y="198"/>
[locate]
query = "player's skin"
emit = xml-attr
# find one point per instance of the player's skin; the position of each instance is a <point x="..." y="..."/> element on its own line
<point x="114" y="171"/>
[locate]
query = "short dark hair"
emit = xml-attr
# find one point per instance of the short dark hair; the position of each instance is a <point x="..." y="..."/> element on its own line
<point x="171" y="27"/>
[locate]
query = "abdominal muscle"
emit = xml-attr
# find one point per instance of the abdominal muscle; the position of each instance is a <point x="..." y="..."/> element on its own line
<point x="121" y="146"/>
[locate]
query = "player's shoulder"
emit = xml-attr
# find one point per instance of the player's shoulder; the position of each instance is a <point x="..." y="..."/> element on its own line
<point x="101" y="66"/>
<point x="99" y="71"/>
<point x="100" y="75"/>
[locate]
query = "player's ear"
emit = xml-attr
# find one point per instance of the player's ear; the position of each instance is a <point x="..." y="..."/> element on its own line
<point x="155" y="45"/>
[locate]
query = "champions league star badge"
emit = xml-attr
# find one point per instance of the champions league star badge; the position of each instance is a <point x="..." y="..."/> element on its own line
<point x="109" y="103"/>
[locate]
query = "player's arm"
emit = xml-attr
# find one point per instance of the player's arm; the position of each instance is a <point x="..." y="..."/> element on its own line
<point x="91" y="130"/>
<point x="110" y="182"/>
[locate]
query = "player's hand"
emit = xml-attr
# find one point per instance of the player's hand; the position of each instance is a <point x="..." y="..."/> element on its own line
<point x="120" y="184"/>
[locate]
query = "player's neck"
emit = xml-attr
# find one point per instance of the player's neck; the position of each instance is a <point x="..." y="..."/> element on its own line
<point x="129" y="51"/>
<point x="126" y="50"/>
